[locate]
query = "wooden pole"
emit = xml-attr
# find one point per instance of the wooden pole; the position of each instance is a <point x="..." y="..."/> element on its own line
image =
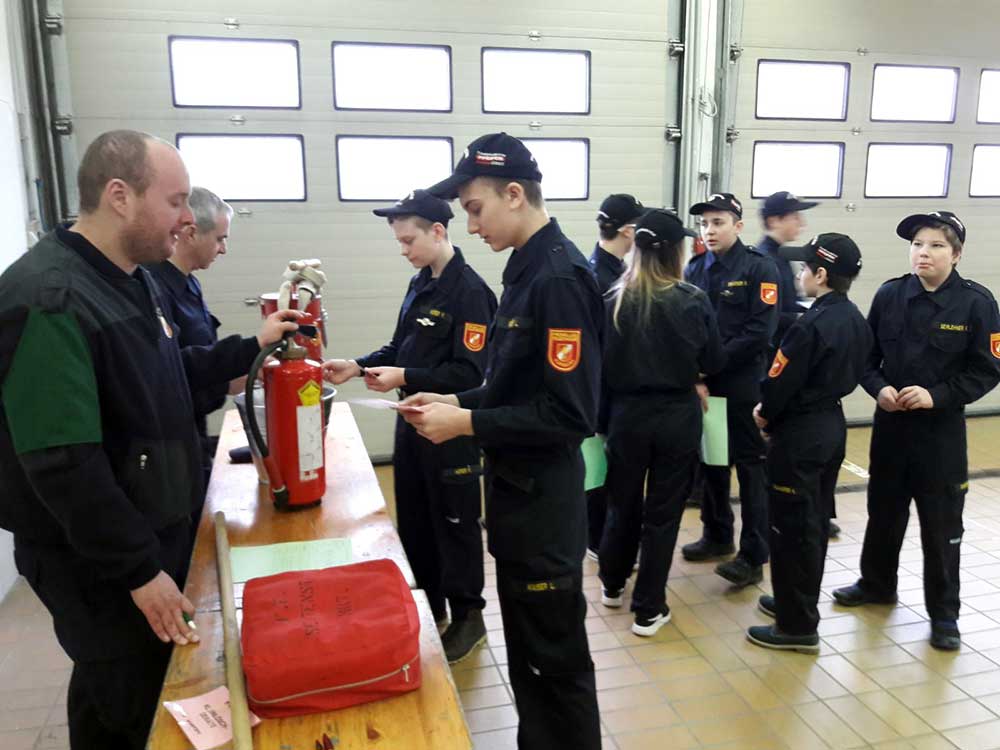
<point x="242" y="736"/>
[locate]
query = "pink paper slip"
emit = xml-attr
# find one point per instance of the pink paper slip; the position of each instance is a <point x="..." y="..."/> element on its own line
<point x="205" y="719"/>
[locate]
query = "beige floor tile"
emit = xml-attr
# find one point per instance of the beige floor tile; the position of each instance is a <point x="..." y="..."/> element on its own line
<point x="694" y="687"/>
<point x="979" y="684"/>
<point x="891" y="710"/>
<point x="722" y="706"/>
<point x="619" y="677"/>
<point x="902" y="674"/>
<point x="679" y="737"/>
<point x="932" y="693"/>
<point x="639" y="717"/>
<point x="486" y="719"/>
<point x="502" y="739"/>
<point x="627" y="697"/>
<point x="789" y="688"/>
<point x="662" y="651"/>
<point x="976" y="737"/>
<point x="753" y="690"/>
<point x="860" y="718"/>
<point x="717" y="653"/>
<point x="828" y="725"/>
<point x="818" y="680"/>
<point x="957" y="714"/>
<point x="749" y="731"/>
<point x="795" y="732"/>
<point x="611" y="659"/>
<point x="874" y="658"/>
<point x="857" y="640"/>
<point x="488" y="697"/>
<point x="677" y="669"/>
<point x="848" y="675"/>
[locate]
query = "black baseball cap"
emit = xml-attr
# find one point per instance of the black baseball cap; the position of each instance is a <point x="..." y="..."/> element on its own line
<point x="783" y="203"/>
<point x="837" y="253"/>
<point x="419" y="203"/>
<point x="657" y="227"/>
<point x="909" y="226"/>
<point x="719" y="202"/>
<point x="492" y="155"/>
<point x="618" y="210"/>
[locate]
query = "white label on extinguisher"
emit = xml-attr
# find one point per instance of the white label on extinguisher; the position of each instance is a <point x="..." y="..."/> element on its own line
<point x="310" y="424"/>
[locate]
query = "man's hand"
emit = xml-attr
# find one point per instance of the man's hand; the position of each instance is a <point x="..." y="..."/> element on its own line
<point x="439" y="422"/>
<point x="915" y="397"/>
<point x="422" y="399"/>
<point x="339" y="371"/>
<point x="384" y="379"/>
<point x="758" y="419"/>
<point x="164" y="606"/>
<point x="276" y="325"/>
<point x="888" y="399"/>
<point x="237" y="385"/>
<point x="702" y="390"/>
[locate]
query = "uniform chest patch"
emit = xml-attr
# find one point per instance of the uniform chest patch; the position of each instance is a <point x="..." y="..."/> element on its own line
<point x="564" y="348"/>
<point x="768" y="293"/>
<point x="778" y="365"/>
<point x="474" y="337"/>
<point x="995" y="344"/>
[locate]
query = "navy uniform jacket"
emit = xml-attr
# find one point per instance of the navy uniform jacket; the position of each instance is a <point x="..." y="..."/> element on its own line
<point x="821" y="359"/>
<point x="440" y="336"/>
<point x="742" y="285"/>
<point x="198" y="327"/>
<point x="544" y="369"/>
<point x="607" y="268"/>
<point x="789" y="308"/>
<point x="666" y="356"/>
<point x="947" y="341"/>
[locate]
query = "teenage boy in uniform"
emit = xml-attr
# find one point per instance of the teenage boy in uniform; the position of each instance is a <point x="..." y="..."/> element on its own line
<point x="742" y="284"/>
<point x="538" y="403"/>
<point x="820" y="360"/>
<point x="439" y="346"/>
<point x="616" y="221"/>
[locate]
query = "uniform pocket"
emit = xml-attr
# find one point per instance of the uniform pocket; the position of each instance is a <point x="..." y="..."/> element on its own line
<point x="949" y="341"/>
<point x="515" y="345"/>
<point x="436" y="329"/>
<point x="515" y="528"/>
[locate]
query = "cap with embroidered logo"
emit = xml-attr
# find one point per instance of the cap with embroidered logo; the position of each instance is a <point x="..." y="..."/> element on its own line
<point x="837" y="253"/>
<point x="783" y="203"/>
<point x="419" y="203"/>
<point x="619" y="209"/>
<point x="492" y="155"/>
<point x="719" y="202"/>
<point x="658" y="226"/>
<point x="909" y="226"/>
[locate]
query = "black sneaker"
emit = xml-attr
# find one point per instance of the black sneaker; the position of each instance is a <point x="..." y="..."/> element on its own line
<point x="766" y="605"/>
<point x="440" y="617"/>
<point x="768" y="636"/>
<point x="647" y="626"/>
<point x="592" y="554"/>
<point x="739" y="572"/>
<point x="464" y="636"/>
<point x="855" y="596"/>
<point x="834" y="530"/>
<point x="611" y="598"/>
<point x="704" y="549"/>
<point x="945" y="635"/>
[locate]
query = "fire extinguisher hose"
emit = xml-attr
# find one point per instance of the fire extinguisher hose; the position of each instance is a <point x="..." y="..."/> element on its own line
<point x="278" y="487"/>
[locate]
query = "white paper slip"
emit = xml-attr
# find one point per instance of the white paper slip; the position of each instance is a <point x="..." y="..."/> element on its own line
<point x="374" y="403"/>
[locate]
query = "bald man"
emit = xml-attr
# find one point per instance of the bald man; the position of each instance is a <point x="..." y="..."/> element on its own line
<point x="99" y="455"/>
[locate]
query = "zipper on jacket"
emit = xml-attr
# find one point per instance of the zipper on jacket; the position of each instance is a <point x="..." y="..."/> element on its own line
<point x="405" y="669"/>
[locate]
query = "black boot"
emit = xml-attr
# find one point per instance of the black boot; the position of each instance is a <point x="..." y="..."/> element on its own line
<point x="464" y="636"/>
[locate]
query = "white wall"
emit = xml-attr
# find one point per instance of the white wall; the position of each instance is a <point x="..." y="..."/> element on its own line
<point x="13" y="204"/>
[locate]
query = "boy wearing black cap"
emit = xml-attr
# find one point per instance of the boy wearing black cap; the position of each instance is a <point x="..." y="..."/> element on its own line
<point x="742" y="284"/>
<point x="820" y="361"/>
<point x="616" y="222"/>
<point x="537" y="404"/>
<point x="937" y="348"/>
<point x="439" y="345"/>
<point x="661" y="334"/>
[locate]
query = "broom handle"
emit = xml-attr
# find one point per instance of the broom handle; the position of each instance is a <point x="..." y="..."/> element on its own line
<point x="242" y="737"/>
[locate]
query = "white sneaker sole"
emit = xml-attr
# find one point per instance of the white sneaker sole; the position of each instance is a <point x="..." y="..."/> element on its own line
<point x="592" y="554"/>
<point x="614" y="602"/>
<point x="647" y="630"/>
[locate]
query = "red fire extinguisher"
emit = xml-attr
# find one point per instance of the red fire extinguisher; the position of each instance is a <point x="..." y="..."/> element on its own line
<point x="293" y="451"/>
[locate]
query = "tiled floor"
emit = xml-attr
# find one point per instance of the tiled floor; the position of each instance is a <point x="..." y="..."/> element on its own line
<point x="698" y="683"/>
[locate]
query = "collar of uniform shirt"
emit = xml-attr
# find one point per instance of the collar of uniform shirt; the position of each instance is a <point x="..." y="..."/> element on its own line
<point x="768" y="244"/>
<point x="610" y="260"/>
<point x="941" y="295"/>
<point x="451" y="272"/>
<point x="81" y="245"/>
<point x="172" y="276"/>
<point x="732" y="256"/>
<point x="532" y="252"/>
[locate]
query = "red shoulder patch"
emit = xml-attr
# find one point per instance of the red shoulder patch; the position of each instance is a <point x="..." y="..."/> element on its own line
<point x="768" y="293"/>
<point x="474" y="337"/>
<point x="564" y="348"/>
<point x="778" y="365"/>
<point x="995" y="344"/>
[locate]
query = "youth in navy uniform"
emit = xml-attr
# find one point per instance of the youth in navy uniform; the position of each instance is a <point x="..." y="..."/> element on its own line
<point x="937" y="348"/>
<point x="660" y="336"/>
<point x="820" y="361"/>
<point x="742" y="284"/>
<point x="198" y="245"/>
<point x="439" y="346"/>
<point x="538" y="403"/>
<point x="781" y="214"/>
<point x="616" y="225"/>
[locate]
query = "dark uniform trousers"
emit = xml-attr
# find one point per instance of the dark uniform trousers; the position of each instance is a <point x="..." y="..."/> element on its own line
<point x="118" y="662"/>
<point x="803" y="461"/>
<point x="918" y="455"/>
<point x="658" y="436"/>
<point x="746" y="451"/>
<point x="437" y="514"/>
<point x="536" y="530"/>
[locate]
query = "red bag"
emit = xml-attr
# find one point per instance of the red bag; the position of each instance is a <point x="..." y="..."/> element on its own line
<point x="318" y="640"/>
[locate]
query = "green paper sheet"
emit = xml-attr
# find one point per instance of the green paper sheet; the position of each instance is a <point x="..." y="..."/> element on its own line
<point x="268" y="559"/>
<point x="595" y="462"/>
<point x="715" y="433"/>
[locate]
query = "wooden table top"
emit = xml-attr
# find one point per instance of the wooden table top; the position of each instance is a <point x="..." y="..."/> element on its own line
<point x="430" y="718"/>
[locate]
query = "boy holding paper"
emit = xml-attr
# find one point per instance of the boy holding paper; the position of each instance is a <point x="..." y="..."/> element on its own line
<point x="820" y="360"/>
<point x="439" y="346"/>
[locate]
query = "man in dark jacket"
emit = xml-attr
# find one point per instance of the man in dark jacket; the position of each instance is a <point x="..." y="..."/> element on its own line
<point x="99" y="457"/>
